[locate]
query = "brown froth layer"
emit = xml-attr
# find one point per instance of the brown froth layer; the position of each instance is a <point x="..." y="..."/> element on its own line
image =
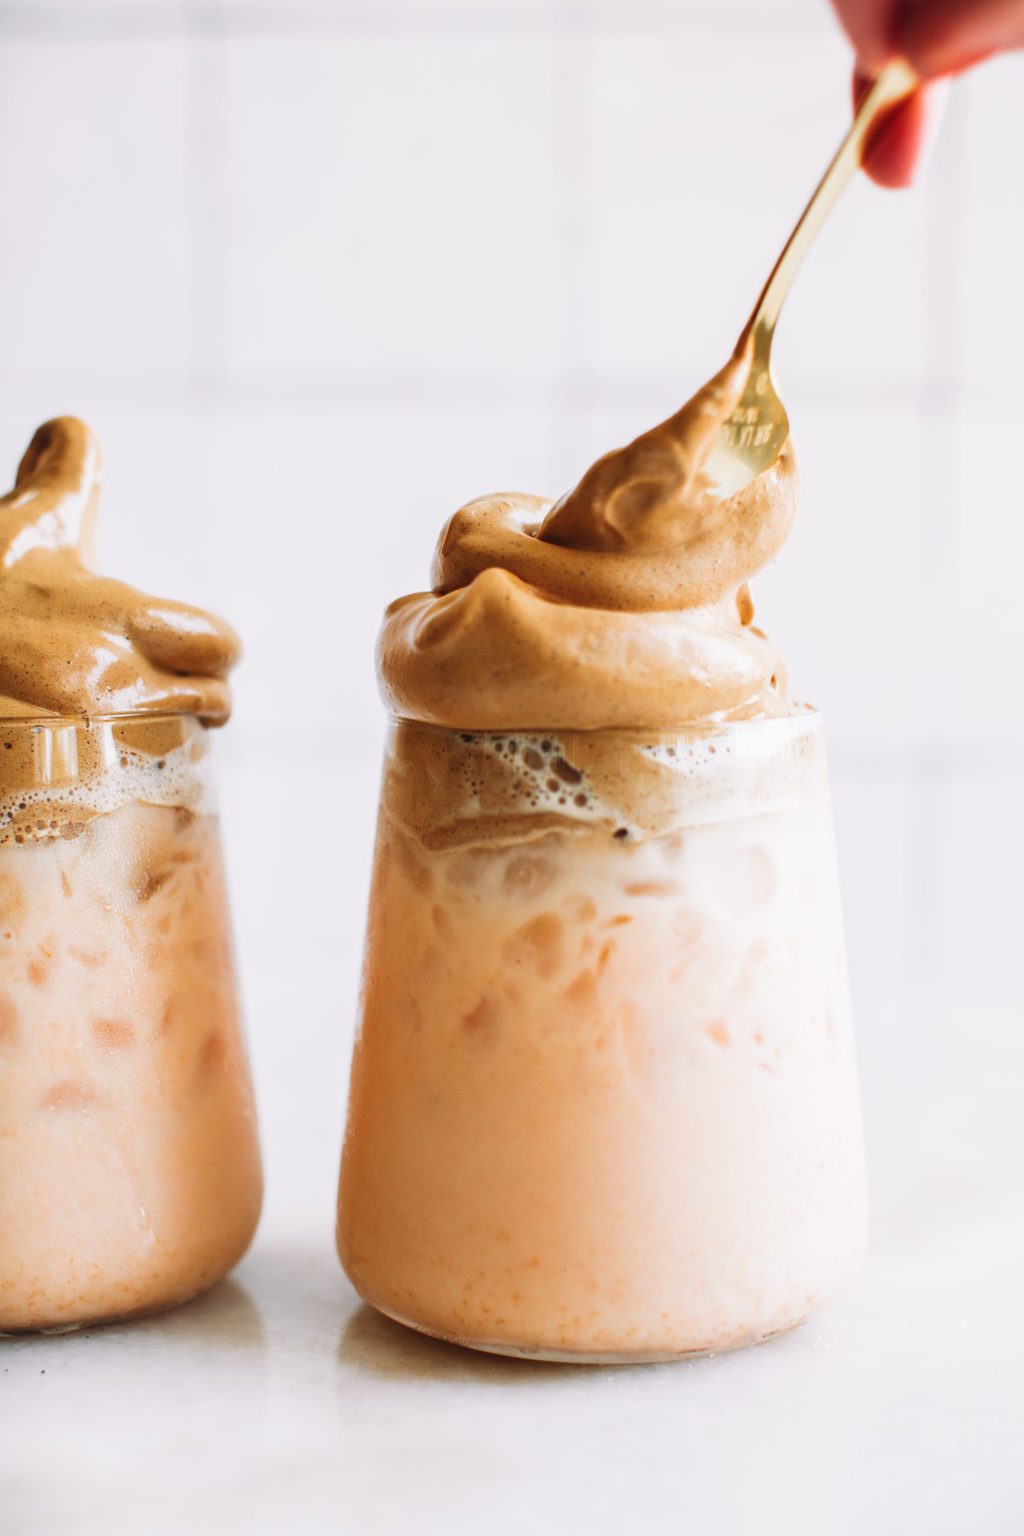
<point x="56" y="776"/>
<point x="479" y="789"/>
<point x="72" y="642"/>
<point x="625" y="604"/>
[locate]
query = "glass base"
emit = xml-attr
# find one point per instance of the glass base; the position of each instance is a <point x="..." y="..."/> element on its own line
<point x="109" y="1319"/>
<point x="585" y="1357"/>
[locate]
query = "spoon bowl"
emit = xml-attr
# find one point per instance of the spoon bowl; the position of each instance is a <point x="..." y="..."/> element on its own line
<point x="752" y="436"/>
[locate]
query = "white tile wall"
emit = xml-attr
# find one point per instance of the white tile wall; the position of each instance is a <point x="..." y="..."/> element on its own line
<point x="320" y="271"/>
<point x="95" y="188"/>
<point x="982" y="830"/>
<point x="989" y="238"/>
<point x="700" y="152"/>
<point x="985" y="626"/>
<point x="390" y="205"/>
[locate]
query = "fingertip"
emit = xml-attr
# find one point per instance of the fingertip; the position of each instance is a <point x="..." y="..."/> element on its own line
<point x="902" y="137"/>
<point x="890" y="155"/>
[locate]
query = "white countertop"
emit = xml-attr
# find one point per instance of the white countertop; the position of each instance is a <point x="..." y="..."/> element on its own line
<point x="279" y="1404"/>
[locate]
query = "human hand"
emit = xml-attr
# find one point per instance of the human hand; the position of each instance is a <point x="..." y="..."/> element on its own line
<point x="937" y="37"/>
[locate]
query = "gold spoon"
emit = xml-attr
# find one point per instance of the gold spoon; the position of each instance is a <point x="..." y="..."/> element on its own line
<point x="750" y="440"/>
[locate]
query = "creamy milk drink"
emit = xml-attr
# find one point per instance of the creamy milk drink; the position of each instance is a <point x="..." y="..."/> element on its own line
<point x="603" y="1102"/>
<point x="129" y="1165"/>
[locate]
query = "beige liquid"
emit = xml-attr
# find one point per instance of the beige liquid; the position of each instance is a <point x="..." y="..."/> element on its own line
<point x="603" y="1099"/>
<point x="603" y="1102"/>
<point x="129" y="1166"/>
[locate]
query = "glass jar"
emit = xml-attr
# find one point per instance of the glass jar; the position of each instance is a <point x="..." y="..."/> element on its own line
<point x="604" y="1103"/>
<point x="129" y="1163"/>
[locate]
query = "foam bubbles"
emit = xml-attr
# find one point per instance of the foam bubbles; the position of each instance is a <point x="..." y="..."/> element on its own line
<point x="176" y="779"/>
<point x="645" y="784"/>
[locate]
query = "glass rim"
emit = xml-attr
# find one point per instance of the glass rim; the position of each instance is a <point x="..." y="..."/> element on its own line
<point x="100" y="718"/>
<point x="800" y="714"/>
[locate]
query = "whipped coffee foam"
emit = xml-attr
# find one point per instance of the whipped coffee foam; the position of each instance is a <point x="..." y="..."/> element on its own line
<point x="625" y="604"/>
<point x="72" y="642"/>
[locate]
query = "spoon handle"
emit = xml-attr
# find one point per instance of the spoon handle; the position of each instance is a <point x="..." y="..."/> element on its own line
<point x="896" y="81"/>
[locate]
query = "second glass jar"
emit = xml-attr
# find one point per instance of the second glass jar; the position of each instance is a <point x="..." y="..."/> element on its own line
<point x="129" y="1164"/>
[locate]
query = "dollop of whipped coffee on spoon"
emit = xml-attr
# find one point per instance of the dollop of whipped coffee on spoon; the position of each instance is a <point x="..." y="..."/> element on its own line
<point x="73" y="642"/>
<point x="624" y="604"/>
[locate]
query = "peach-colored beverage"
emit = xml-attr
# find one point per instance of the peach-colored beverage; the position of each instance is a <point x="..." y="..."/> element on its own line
<point x="129" y="1165"/>
<point x="603" y="1101"/>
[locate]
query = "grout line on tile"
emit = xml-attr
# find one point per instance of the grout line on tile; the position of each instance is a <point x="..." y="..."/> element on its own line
<point x="206" y="159"/>
<point x="422" y="389"/>
<point x="937" y="436"/>
<point x="93" y="23"/>
<point x="101" y="20"/>
<point x="573" y="148"/>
